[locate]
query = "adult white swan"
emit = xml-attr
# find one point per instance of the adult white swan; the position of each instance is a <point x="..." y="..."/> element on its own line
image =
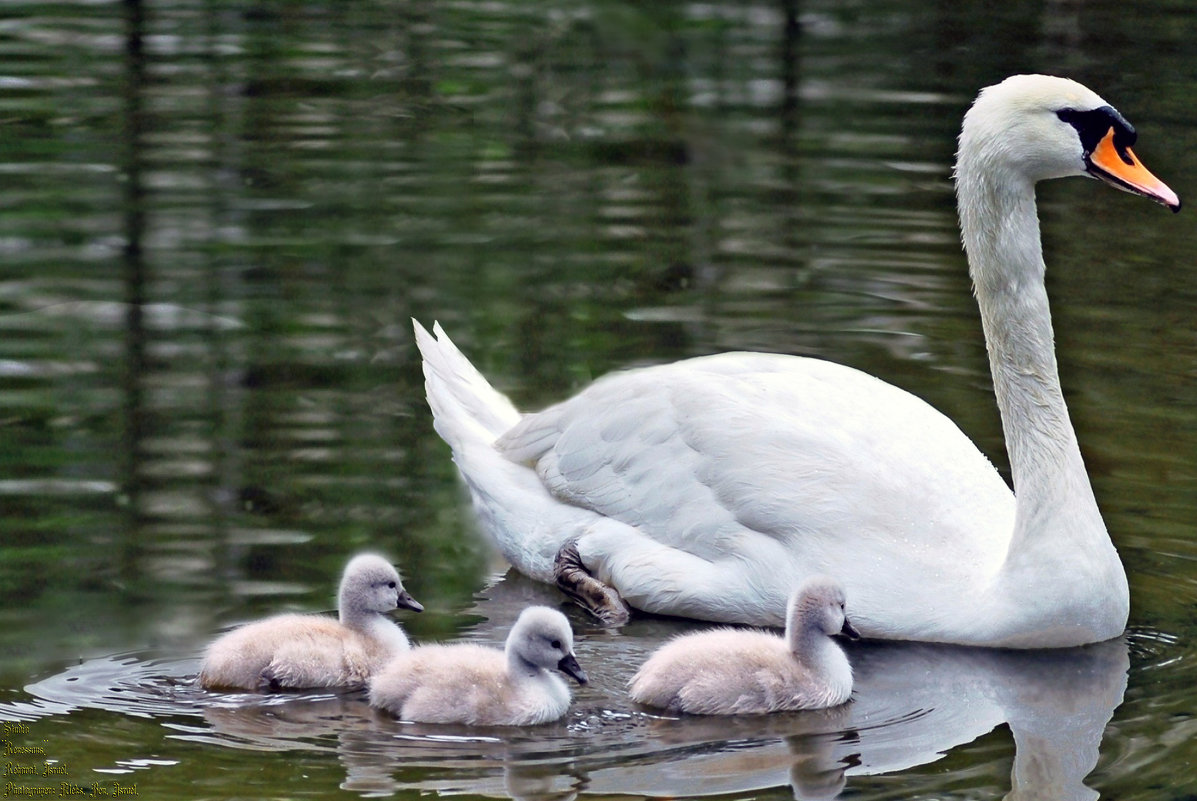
<point x="711" y="487"/>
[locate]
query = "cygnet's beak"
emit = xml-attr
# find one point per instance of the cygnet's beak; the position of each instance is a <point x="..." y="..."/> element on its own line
<point x="405" y="601"/>
<point x="569" y="666"/>
<point x="849" y="630"/>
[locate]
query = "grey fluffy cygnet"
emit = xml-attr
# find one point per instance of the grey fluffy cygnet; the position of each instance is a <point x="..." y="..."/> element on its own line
<point x="481" y="686"/>
<point x="737" y="671"/>
<point x="310" y="651"/>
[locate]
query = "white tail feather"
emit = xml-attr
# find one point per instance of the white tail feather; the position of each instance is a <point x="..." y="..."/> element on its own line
<point x="513" y="506"/>
<point x="464" y="404"/>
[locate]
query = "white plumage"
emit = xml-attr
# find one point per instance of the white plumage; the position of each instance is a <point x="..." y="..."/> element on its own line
<point x="310" y="651"/>
<point x="736" y="671"/>
<point x="481" y="686"/>
<point x="711" y="487"/>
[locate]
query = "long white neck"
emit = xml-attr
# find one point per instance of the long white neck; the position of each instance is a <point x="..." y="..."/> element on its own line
<point x="1001" y="235"/>
<point x="1055" y="511"/>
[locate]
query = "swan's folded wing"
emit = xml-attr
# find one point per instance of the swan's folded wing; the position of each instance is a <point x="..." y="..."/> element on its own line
<point x="699" y="453"/>
<point x="621" y="450"/>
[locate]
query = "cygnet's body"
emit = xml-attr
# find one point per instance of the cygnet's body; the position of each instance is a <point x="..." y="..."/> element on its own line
<point x="734" y="671"/>
<point x="308" y="651"/>
<point x="481" y="686"/>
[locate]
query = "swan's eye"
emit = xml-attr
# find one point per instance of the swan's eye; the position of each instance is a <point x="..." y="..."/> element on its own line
<point x="1092" y="126"/>
<point x="391" y="584"/>
<point x="556" y="644"/>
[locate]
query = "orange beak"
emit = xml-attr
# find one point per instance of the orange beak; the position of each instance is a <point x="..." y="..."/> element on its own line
<point x="1119" y="167"/>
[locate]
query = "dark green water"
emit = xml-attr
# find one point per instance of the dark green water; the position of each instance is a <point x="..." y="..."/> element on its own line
<point x="217" y="220"/>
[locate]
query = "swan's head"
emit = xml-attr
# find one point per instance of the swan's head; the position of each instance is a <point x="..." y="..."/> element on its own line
<point x="542" y="637"/>
<point x="371" y="584"/>
<point x="818" y="605"/>
<point x="1033" y="127"/>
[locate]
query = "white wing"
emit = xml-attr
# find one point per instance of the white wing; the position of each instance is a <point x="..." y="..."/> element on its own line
<point x="772" y="467"/>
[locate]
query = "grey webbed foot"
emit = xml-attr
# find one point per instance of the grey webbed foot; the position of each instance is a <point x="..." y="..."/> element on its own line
<point x="268" y="682"/>
<point x="594" y="596"/>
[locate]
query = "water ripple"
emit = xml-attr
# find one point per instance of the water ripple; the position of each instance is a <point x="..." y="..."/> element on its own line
<point x="913" y="704"/>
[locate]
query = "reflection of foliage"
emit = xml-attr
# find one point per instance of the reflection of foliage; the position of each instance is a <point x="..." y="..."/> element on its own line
<point x="569" y="187"/>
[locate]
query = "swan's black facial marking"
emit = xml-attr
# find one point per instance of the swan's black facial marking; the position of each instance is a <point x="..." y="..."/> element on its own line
<point x="1092" y="126"/>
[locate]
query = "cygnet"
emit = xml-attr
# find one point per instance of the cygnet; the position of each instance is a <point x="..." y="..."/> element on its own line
<point x="481" y="686"/>
<point x="309" y="651"/>
<point x="736" y="671"/>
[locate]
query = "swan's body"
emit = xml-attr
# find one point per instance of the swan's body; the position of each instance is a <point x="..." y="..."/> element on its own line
<point x="309" y="651"/>
<point x="711" y="487"/>
<point x="736" y="671"/>
<point x="481" y="686"/>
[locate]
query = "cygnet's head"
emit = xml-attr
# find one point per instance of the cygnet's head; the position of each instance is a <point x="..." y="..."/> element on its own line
<point x="542" y="637"/>
<point x="818" y="606"/>
<point x="371" y="584"/>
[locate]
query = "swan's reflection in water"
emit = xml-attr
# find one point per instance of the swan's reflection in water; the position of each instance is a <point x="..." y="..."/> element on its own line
<point x="913" y="703"/>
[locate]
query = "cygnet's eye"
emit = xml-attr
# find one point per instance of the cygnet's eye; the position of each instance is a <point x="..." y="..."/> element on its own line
<point x="391" y="584"/>
<point x="556" y="644"/>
